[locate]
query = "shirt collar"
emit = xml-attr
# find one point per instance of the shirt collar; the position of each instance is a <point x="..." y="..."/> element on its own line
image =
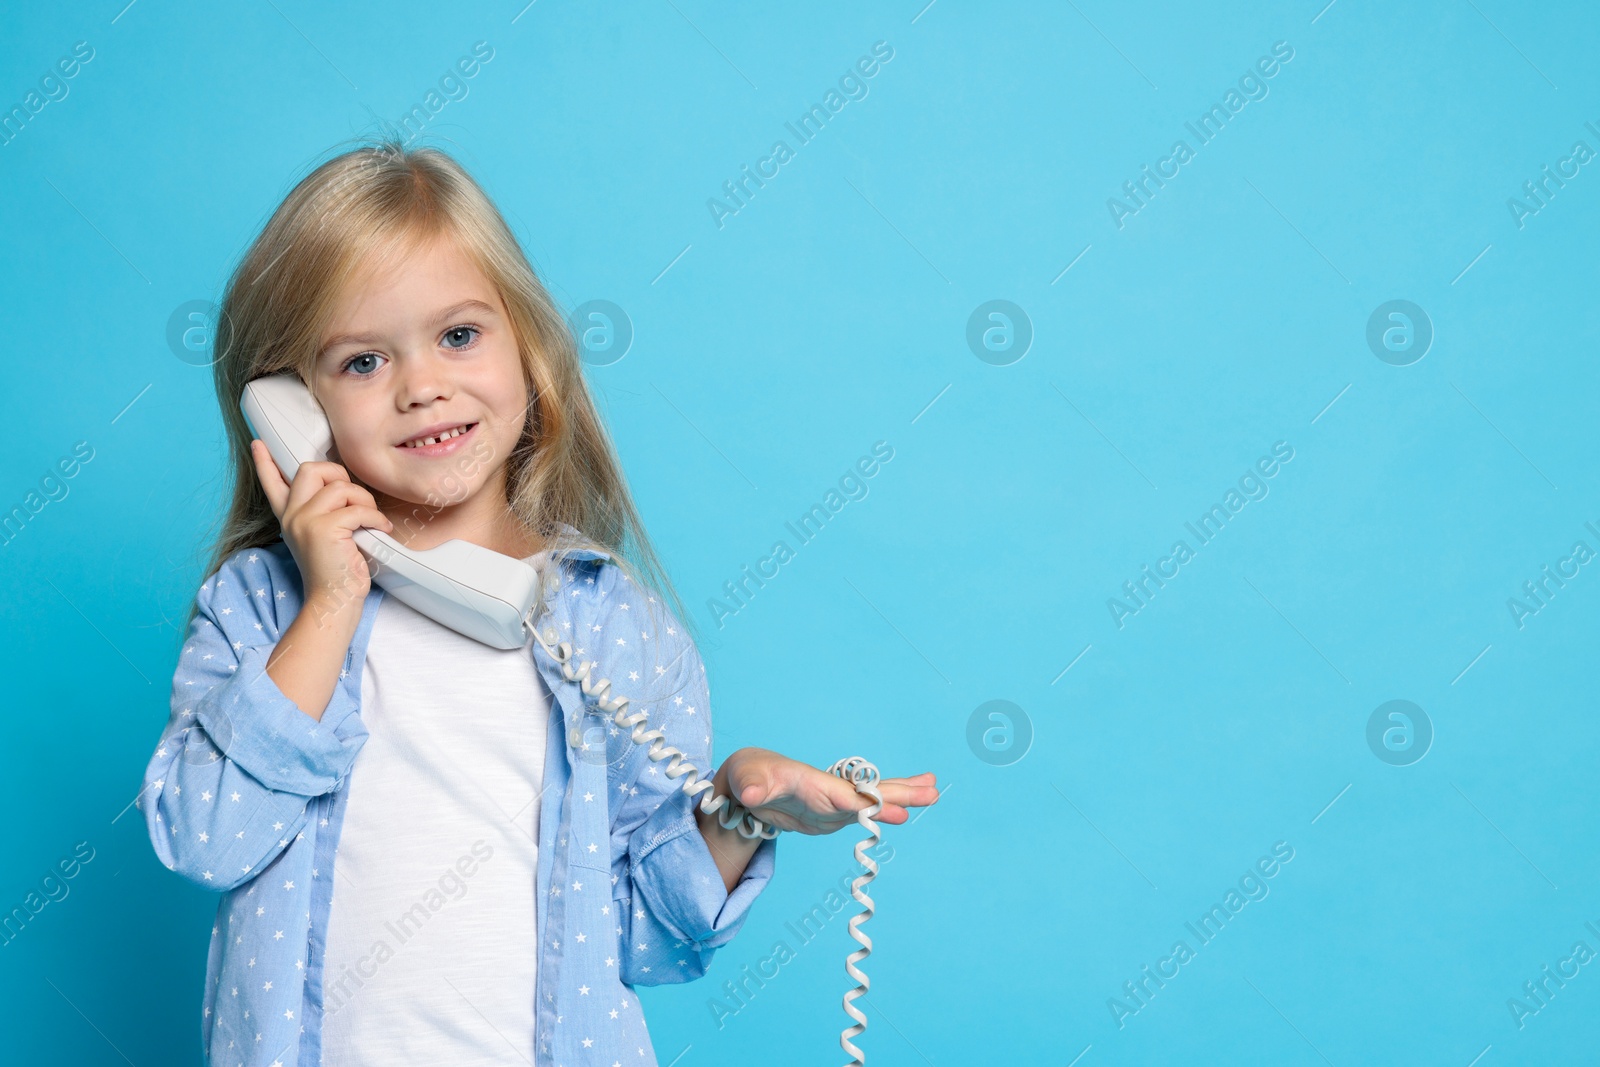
<point x="580" y="553"/>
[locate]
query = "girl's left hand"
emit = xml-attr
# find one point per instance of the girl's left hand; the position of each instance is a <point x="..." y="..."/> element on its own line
<point x="791" y="795"/>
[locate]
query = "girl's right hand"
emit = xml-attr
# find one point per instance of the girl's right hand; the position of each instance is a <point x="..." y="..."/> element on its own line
<point x="318" y="513"/>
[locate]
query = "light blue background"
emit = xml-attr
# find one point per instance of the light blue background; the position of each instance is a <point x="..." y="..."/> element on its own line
<point x="827" y="315"/>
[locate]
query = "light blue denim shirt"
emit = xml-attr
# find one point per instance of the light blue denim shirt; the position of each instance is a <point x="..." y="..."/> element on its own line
<point x="246" y="793"/>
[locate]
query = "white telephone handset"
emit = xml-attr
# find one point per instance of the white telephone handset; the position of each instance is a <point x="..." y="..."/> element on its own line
<point x="492" y="598"/>
<point x="471" y="589"/>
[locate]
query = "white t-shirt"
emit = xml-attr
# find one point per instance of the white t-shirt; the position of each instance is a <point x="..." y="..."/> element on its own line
<point x="431" y="934"/>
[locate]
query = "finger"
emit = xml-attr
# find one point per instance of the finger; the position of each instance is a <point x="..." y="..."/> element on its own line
<point x="335" y="495"/>
<point x="270" y="476"/>
<point x="362" y="495"/>
<point x="312" y="477"/>
<point x="889" y="813"/>
<point x="909" y="795"/>
<point x="919" y="789"/>
<point x="327" y="470"/>
<point x="356" y="517"/>
<point x="354" y="492"/>
<point x="925" y="778"/>
<point x="305" y="485"/>
<point x="846" y="798"/>
<point x="754" y="786"/>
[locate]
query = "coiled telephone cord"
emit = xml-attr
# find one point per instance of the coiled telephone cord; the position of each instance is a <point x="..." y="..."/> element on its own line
<point x="732" y="815"/>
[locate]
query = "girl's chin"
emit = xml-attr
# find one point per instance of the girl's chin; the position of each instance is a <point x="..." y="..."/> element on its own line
<point x="417" y="501"/>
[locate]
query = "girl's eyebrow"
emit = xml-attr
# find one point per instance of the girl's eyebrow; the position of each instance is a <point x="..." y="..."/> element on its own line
<point x="465" y="305"/>
<point x="438" y="320"/>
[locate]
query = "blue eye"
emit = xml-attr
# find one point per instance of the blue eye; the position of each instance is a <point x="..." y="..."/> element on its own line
<point x="367" y="368"/>
<point x="365" y="365"/>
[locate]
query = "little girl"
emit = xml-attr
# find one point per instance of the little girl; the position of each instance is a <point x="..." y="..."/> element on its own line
<point x="431" y="851"/>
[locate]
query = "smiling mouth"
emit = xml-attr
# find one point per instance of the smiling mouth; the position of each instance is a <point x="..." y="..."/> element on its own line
<point x="423" y="442"/>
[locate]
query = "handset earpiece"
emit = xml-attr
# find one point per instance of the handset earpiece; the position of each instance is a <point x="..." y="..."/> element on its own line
<point x="281" y="411"/>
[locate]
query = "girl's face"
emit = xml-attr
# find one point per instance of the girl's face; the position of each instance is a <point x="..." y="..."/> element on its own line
<point x="410" y="357"/>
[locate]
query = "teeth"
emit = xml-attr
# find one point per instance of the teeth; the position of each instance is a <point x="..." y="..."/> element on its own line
<point x="457" y="432"/>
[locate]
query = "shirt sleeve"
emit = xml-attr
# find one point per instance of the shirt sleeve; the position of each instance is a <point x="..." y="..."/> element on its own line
<point x="239" y="763"/>
<point x="674" y="910"/>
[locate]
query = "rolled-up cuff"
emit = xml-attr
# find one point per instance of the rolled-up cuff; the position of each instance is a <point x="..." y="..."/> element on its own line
<point x="267" y="734"/>
<point x="673" y="870"/>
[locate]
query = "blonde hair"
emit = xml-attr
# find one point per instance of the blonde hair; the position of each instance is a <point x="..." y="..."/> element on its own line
<point x="350" y="218"/>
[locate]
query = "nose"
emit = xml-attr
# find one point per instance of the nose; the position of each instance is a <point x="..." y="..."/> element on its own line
<point x="422" y="381"/>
